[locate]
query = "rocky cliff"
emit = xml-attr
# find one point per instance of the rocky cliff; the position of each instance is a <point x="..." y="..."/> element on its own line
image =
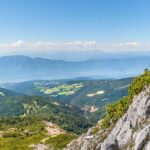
<point x="131" y="132"/>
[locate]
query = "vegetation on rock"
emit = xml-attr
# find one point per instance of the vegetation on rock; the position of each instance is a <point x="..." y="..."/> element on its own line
<point x="116" y="110"/>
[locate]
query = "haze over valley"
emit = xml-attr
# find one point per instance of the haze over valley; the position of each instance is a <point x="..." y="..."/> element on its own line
<point x="23" y="68"/>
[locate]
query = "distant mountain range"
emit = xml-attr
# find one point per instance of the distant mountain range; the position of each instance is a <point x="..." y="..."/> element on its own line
<point x="23" y="68"/>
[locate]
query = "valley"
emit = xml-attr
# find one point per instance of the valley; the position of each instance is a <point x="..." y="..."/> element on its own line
<point x="56" y="114"/>
<point x="80" y="93"/>
<point x="44" y="113"/>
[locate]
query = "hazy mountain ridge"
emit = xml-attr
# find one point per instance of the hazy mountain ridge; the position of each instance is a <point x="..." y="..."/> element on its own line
<point x="23" y="68"/>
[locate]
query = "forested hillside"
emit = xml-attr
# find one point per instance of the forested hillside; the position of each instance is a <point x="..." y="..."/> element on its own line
<point x="89" y="95"/>
<point x="34" y="108"/>
<point x="27" y="120"/>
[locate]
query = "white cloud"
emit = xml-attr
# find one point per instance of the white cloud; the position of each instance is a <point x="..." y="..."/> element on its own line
<point x="126" y="44"/>
<point x="23" y="46"/>
<point x="48" y="45"/>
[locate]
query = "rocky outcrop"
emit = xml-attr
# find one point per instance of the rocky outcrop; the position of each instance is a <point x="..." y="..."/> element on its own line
<point x="142" y="138"/>
<point x="39" y="147"/>
<point x="131" y="132"/>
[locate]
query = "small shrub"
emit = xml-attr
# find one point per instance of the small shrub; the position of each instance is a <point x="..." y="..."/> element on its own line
<point x="10" y="134"/>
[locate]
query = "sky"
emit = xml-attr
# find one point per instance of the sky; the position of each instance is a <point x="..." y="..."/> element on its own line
<point x="74" y="29"/>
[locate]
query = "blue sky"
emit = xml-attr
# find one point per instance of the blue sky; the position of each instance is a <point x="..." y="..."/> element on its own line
<point x="29" y="26"/>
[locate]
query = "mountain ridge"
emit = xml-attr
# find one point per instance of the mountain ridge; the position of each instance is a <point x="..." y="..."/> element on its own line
<point x="23" y="68"/>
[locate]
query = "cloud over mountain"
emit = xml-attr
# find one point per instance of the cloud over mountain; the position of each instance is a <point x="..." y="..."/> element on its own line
<point x="74" y="50"/>
<point x="75" y="45"/>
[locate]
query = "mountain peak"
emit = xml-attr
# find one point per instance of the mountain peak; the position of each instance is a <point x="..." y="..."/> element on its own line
<point x="16" y="56"/>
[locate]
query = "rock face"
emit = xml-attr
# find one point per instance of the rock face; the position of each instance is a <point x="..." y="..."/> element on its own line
<point x="131" y="132"/>
<point x="142" y="138"/>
